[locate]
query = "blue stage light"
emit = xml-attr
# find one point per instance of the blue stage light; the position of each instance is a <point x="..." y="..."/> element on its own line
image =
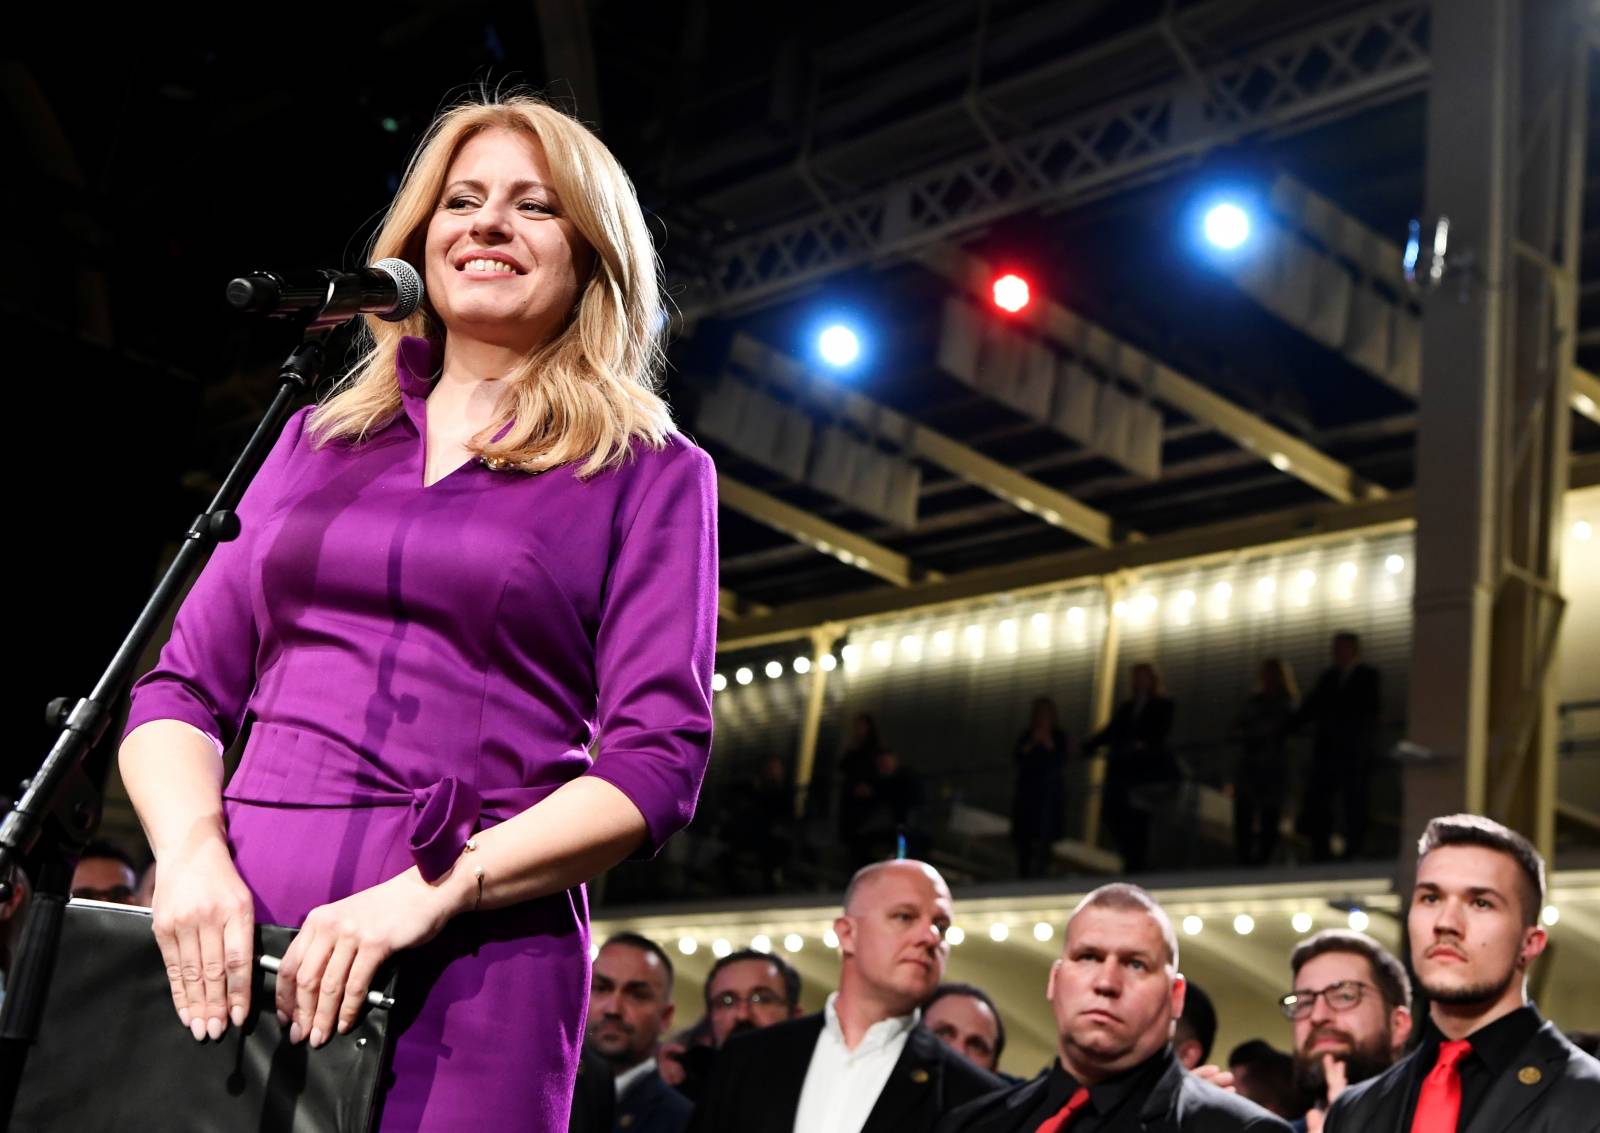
<point x="838" y="345"/>
<point x="1226" y="225"/>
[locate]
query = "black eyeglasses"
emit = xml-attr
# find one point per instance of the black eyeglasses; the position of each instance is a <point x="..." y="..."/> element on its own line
<point x="760" y="997"/>
<point x="1340" y="996"/>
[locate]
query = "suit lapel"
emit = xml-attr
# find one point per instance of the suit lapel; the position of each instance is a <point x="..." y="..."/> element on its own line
<point x="1161" y="1112"/>
<point x="1395" y="1089"/>
<point x="1531" y="1073"/>
<point x="916" y="1075"/>
<point x="788" y="1070"/>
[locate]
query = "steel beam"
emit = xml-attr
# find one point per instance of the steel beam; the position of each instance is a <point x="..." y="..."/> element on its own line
<point x="1506" y="132"/>
<point x="1024" y="492"/>
<point x="818" y="534"/>
<point x="1377" y="52"/>
<point x="1286" y="452"/>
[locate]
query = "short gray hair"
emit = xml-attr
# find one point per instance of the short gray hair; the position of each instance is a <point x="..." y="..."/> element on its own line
<point x="1130" y="898"/>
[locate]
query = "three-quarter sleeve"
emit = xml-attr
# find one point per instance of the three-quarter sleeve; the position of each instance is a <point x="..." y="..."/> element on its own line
<point x="207" y="670"/>
<point x="656" y="646"/>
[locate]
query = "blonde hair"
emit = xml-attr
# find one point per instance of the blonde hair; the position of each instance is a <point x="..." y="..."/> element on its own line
<point x="591" y="390"/>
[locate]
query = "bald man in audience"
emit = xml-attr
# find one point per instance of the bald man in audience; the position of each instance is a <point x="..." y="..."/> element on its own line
<point x="867" y="1063"/>
<point x="1117" y="994"/>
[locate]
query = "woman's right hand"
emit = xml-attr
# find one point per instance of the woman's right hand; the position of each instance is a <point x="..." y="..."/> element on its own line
<point x="204" y="921"/>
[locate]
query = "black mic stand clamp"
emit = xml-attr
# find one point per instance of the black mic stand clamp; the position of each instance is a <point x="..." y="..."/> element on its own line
<point x="60" y="808"/>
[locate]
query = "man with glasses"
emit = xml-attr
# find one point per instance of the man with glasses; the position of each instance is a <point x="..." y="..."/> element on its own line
<point x="745" y="991"/>
<point x="748" y="990"/>
<point x="1487" y="1062"/>
<point x="1351" y="1010"/>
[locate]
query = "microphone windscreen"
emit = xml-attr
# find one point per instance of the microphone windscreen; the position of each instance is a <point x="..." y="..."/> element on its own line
<point x="409" y="282"/>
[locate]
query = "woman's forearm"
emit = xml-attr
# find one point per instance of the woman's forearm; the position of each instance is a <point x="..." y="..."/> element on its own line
<point x="173" y="776"/>
<point x="577" y="833"/>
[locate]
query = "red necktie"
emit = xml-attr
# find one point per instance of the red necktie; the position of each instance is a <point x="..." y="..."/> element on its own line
<point x="1439" y="1104"/>
<point x="1062" y="1117"/>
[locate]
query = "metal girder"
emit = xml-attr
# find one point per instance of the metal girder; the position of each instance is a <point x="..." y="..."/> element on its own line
<point x="1375" y="52"/>
<point x="1507" y="132"/>
<point x="1586" y="394"/>
<point x="1022" y="491"/>
<point x="1375" y="256"/>
<point x="1304" y="525"/>
<point x="818" y="534"/>
<point x="1284" y="451"/>
<point x="1063" y="568"/>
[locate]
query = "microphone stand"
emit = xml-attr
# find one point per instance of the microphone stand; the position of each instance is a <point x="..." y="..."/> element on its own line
<point x="60" y="808"/>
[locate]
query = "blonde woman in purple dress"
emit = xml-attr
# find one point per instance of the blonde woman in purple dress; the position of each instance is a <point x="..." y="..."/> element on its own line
<point x="475" y="598"/>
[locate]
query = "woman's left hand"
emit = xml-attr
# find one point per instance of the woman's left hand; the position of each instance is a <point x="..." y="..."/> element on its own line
<point x="325" y="974"/>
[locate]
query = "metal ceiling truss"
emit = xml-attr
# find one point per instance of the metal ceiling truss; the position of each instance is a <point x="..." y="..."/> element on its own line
<point x="1299" y="526"/>
<point x="1376" y="53"/>
<point x="914" y="439"/>
<point x="1353" y="284"/>
<point x="820" y="535"/>
<point x="1286" y="452"/>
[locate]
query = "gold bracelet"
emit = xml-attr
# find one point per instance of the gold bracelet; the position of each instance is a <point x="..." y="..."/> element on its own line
<point x="477" y="871"/>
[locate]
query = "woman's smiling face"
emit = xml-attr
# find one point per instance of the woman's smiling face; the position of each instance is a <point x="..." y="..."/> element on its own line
<point x="501" y="262"/>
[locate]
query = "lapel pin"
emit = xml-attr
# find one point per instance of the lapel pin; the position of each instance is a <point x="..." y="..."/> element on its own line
<point x="919" y="1075"/>
<point x="1529" y="1075"/>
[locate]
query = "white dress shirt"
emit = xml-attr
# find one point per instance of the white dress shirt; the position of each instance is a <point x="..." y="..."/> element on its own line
<point x="631" y="1075"/>
<point x="842" y="1085"/>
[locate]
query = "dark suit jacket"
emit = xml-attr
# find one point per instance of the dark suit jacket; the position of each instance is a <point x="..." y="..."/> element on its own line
<point x="594" y="1095"/>
<point x="1345" y="713"/>
<point x="649" y="1105"/>
<point x="1551" y="1087"/>
<point x="1178" y="1103"/>
<point x="1137" y="742"/>
<point x="756" y="1085"/>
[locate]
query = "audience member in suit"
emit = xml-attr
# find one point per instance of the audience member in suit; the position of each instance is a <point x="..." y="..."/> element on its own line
<point x="1039" y="798"/>
<point x="965" y="1019"/>
<point x="1196" y="1029"/>
<point x="594" y="1098"/>
<point x="630" y="1008"/>
<point x="745" y="991"/>
<point x="1116" y="994"/>
<point x="866" y="1064"/>
<point x="1351" y="1015"/>
<point x="1261" y="775"/>
<point x="857" y="769"/>
<point x="1487" y="1062"/>
<point x="1344" y="706"/>
<point x="1136" y="757"/>
<point x="888" y="812"/>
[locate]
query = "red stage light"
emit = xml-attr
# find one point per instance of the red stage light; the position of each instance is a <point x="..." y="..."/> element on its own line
<point x="1011" y="293"/>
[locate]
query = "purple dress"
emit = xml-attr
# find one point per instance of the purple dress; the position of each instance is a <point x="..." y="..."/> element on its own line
<point x="420" y="663"/>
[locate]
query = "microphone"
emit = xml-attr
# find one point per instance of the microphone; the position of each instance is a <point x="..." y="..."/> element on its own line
<point x="391" y="289"/>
